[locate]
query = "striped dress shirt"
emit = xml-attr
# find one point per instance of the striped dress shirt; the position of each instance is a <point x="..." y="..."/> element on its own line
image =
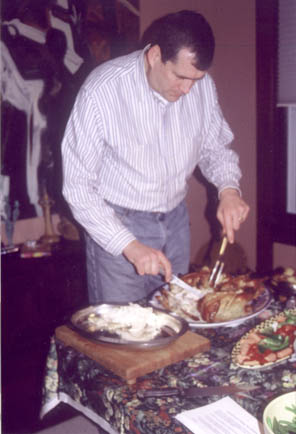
<point x="126" y="145"/>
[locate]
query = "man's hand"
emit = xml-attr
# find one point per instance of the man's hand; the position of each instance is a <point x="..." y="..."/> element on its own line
<point x="148" y="260"/>
<point x="232" y="212"/>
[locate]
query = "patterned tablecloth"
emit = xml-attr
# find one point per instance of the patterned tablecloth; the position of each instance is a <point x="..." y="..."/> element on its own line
<point x="106" y="399"/>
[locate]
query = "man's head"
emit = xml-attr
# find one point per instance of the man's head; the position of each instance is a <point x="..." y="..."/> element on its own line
<point x="184" y="29"/>
<point x="181" y="50"/>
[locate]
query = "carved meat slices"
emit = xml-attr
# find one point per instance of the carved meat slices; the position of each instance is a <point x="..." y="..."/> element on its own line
<point x="222" y="306"/>
<point x="233" y="297"/>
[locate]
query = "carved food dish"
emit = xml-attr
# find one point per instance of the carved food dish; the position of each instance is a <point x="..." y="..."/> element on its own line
<point x="129" y="325"/>
<point x="234" y="299"/>
<point x="269" y="343"/>
<point x="284" y="276"/>
<point x="282" y="283"/>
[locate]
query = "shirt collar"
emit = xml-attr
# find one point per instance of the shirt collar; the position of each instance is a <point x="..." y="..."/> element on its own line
<point x="141" y="78"/>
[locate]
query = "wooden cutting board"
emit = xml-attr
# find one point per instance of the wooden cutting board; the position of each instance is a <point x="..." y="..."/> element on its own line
<point x="131" y="364"/>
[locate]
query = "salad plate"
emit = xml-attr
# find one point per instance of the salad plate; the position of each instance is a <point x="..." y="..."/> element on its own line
<point x="269" y="343"/>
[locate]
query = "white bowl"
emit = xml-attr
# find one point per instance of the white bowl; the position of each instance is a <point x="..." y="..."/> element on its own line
<point x="277" y="408"/>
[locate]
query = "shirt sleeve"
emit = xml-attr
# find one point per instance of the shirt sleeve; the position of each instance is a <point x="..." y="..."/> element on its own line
<point x="218" y="163"/>
<point x="82" y="156"/>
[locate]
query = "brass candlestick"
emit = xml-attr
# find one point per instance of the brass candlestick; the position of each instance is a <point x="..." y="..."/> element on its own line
<point x="49" y="236"/>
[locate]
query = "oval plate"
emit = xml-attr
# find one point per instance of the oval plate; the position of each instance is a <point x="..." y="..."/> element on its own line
<point x="236" y="349"/>
<point x="262" y="303"/>
<point x="173" y="328"/>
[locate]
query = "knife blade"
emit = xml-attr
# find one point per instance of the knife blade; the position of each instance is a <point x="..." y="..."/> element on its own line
<point x="179" y="282"/>
<point x="193" y="392"/>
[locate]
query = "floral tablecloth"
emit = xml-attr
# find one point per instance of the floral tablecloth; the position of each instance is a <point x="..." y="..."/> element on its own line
<point x="106" y="398"/>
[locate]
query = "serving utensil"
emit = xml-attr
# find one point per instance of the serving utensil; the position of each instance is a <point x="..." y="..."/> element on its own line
<point x="175" y="280"/>
<point x="179" y="282"/>
<point x="219" y="264"/>
<point x="192" y="392"/>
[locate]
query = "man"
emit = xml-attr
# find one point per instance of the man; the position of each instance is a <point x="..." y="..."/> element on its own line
<point x="140" y="125"/>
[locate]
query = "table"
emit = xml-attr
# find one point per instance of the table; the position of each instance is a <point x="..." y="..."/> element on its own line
<point x="110" y="402"/>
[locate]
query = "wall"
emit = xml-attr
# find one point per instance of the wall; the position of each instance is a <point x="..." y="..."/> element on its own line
<point x="234" y="71"/>
<point x="284" y="255"/>
<point x="29" y="229"/>
<point x="233" y="22"/>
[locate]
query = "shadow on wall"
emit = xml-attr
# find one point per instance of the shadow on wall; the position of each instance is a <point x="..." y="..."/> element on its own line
<point x="235" y="257"/>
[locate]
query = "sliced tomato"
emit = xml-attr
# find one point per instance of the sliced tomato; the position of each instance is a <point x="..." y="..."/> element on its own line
<point x="286" y="329"/>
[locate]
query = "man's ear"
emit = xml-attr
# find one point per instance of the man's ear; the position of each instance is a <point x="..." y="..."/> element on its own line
<point x="154" y="55"/>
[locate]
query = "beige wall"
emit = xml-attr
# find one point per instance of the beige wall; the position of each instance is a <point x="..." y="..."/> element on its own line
<point x="284" y="255"/>
<point x="233" y="22"/>
<point x="29" y="229"/>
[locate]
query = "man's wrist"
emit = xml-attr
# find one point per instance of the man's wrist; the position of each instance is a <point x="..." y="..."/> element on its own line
<point x="229" y="191"/>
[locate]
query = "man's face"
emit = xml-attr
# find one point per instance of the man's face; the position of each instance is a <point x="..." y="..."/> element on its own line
<point x="171" y="79"/>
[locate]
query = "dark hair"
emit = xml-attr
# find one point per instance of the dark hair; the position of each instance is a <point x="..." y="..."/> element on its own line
<point x="183" y="29"/>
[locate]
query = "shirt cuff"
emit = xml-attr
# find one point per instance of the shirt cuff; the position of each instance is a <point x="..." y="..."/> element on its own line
<point x="234" y="187"/>
<point x="119" y="242"/>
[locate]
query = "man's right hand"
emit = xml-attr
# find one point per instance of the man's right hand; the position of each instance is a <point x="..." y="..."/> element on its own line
<point x="147" y="260"/>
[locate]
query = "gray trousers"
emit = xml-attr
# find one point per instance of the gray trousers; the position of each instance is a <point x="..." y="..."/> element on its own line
<point x="114" y="278"/>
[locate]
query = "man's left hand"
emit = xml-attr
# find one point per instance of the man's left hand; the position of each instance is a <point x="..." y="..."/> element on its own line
<point x="232" y="212"/>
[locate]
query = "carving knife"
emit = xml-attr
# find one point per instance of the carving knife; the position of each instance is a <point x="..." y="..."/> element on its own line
<point x="179" y="282"/>
<point x="192" y="392"/>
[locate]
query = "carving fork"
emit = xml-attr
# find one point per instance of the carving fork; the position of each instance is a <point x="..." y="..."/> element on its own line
<point x="219" y="265"/>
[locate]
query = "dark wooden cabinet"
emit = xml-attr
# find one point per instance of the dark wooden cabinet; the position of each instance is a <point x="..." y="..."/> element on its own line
<point x="37" y="295"/>
<point x="40" y="293"/>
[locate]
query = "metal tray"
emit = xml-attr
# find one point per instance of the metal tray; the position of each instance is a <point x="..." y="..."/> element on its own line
<point x="172" y="329"/>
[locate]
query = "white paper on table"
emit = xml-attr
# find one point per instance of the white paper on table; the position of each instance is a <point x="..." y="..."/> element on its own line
<point x="224" y="416"/>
